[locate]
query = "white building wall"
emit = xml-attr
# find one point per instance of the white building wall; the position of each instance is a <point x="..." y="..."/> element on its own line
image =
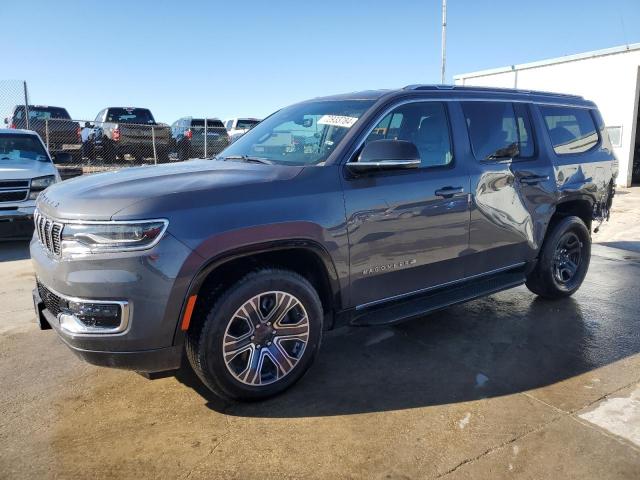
<point x="610" y="80"/>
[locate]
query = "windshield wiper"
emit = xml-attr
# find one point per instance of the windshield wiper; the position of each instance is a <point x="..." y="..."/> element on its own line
<point x="247" y="158"/>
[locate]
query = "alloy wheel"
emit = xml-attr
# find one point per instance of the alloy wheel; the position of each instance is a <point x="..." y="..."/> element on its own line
<point x="265" y="338"/>
<point x="567" y="258"/>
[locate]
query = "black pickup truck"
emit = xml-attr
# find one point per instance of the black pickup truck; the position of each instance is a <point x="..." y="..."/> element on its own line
<point x="54" y="125"/>
<point x="120" y="131"/>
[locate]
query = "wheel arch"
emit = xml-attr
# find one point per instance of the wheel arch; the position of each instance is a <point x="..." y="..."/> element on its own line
<point x="304" y="256"/>
<point x="581" y="206"/>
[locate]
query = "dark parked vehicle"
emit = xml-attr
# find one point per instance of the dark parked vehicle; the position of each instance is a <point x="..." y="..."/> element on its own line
<point x="120" y="131"/>
<point x="190" y="140"/>
<point x="53" y="124"/>
<point x="378" y="207"/>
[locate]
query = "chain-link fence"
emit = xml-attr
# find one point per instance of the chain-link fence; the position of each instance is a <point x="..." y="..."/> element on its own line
<point x="103" y="145"/>
<point x="118" y="137"/>
<point x="13" y="93"/>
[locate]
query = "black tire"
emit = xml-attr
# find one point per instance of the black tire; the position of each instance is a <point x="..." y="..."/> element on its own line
<point x="184" y="153"/>
<point x="550" y="277"/>
<point x="108" y="153"/>
<point x="163" y="156"/>
<point x="205" y="340"/>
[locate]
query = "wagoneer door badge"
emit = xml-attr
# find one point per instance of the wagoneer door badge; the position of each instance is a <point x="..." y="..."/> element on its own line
<point x="389" y="266"/>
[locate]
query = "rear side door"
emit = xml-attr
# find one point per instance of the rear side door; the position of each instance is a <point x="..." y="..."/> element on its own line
<point x="512" y="185"/>
<point x="408" y="230"/>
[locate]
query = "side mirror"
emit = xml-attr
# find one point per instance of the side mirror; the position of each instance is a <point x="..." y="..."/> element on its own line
<point x="61" y="158"/>
<point x="386" y="155"/>
<point x="6" y="121"/>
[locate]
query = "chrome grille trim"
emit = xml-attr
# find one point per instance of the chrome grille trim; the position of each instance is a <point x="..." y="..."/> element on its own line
<point x="49" y="233"/>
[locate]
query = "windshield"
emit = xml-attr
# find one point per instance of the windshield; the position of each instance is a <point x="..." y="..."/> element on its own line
<point x="21" y="147"/>
<point x="246" y="124"/>
<point x="43" y="113"/>
<point x="130" y="115"/>
<point x="303" y="134"/>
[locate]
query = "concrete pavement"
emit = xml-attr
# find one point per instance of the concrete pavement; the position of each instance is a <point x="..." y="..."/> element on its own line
<point x="509" y="386"/>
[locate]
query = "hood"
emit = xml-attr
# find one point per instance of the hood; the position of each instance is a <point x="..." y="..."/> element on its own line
<point x="100" y="196"/>
<point x="23" y="168"/>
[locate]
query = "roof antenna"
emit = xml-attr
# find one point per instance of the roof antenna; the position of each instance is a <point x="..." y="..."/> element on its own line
<point x="444" y="41"/>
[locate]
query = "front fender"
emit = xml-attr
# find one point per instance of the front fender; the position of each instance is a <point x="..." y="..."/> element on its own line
<point x="226" y="247"/>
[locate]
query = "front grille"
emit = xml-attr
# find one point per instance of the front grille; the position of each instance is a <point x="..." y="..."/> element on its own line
<point x="51" y="301"/>
<point x="14" y="184"/>
<point x="13" y="196"/>
<point x="48" y="232"/>
<point x="14" y="190"/>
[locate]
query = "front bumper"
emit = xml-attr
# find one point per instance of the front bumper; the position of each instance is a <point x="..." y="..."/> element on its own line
<point x="16" y="223"/>
<point x="147" y="361"/>
<point x="154" y="284"/>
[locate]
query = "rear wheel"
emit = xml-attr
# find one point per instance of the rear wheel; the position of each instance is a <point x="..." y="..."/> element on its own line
<point x="108" y="152"/>
<point x="163" y="156"/>
<point x="257" y="338"/>
<point x="563" y="261"/>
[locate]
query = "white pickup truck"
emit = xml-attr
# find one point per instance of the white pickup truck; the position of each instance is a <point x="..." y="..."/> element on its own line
<point x="236" y="127"/>
<point x="26" y="169"/>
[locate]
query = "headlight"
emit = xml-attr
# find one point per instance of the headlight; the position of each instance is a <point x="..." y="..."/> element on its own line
<point x="98" y="237"/>
<point x="39" y="184"/>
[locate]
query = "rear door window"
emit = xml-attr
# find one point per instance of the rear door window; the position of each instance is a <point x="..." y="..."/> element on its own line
<point x="571" y="130"/>
<point x="497" y="130"/>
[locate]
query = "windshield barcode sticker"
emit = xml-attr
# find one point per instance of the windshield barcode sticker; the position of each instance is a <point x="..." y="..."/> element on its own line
<point x="337" y="121"/>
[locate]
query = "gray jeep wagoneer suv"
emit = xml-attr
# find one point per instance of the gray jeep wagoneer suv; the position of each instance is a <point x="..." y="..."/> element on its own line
<point x="370" y="208"/>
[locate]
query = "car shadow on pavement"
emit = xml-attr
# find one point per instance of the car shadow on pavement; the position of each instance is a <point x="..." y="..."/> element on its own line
<point x="14" y="250"/>
<point x="504" y="344"/>
<point x="634" y="246"/>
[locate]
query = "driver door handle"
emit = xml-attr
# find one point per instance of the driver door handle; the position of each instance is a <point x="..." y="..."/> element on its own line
<point x="534" y="179"/>
<point x="448" y="192"/>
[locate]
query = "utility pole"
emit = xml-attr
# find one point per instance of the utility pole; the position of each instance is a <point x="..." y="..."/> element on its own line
<point x="444" y="40"/>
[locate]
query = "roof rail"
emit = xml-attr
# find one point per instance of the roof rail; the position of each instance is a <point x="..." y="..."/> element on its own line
<point x="488" y="90"/>
<point x="429" y="87"/>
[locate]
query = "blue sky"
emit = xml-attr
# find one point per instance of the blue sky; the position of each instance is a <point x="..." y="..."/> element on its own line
<point x="249" y="58"/>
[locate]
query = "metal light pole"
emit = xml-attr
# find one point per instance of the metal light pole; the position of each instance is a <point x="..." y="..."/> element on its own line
<point x="444" y="40"/>
<point x="26" y="105"/>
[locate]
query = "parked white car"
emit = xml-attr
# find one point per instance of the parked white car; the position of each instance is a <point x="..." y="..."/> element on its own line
<point x="236" y="127"/>
<point x="26" y="169"/>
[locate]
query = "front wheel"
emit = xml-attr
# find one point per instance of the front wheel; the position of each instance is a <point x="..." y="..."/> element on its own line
<point x="257" y="338"/>
<point x="563" y="261"/>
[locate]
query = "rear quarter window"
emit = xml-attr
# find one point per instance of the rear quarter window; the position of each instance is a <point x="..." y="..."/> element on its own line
<point x="571" y="130"/>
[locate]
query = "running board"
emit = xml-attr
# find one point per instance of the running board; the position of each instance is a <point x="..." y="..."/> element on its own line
<point x="416" y="306"/>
